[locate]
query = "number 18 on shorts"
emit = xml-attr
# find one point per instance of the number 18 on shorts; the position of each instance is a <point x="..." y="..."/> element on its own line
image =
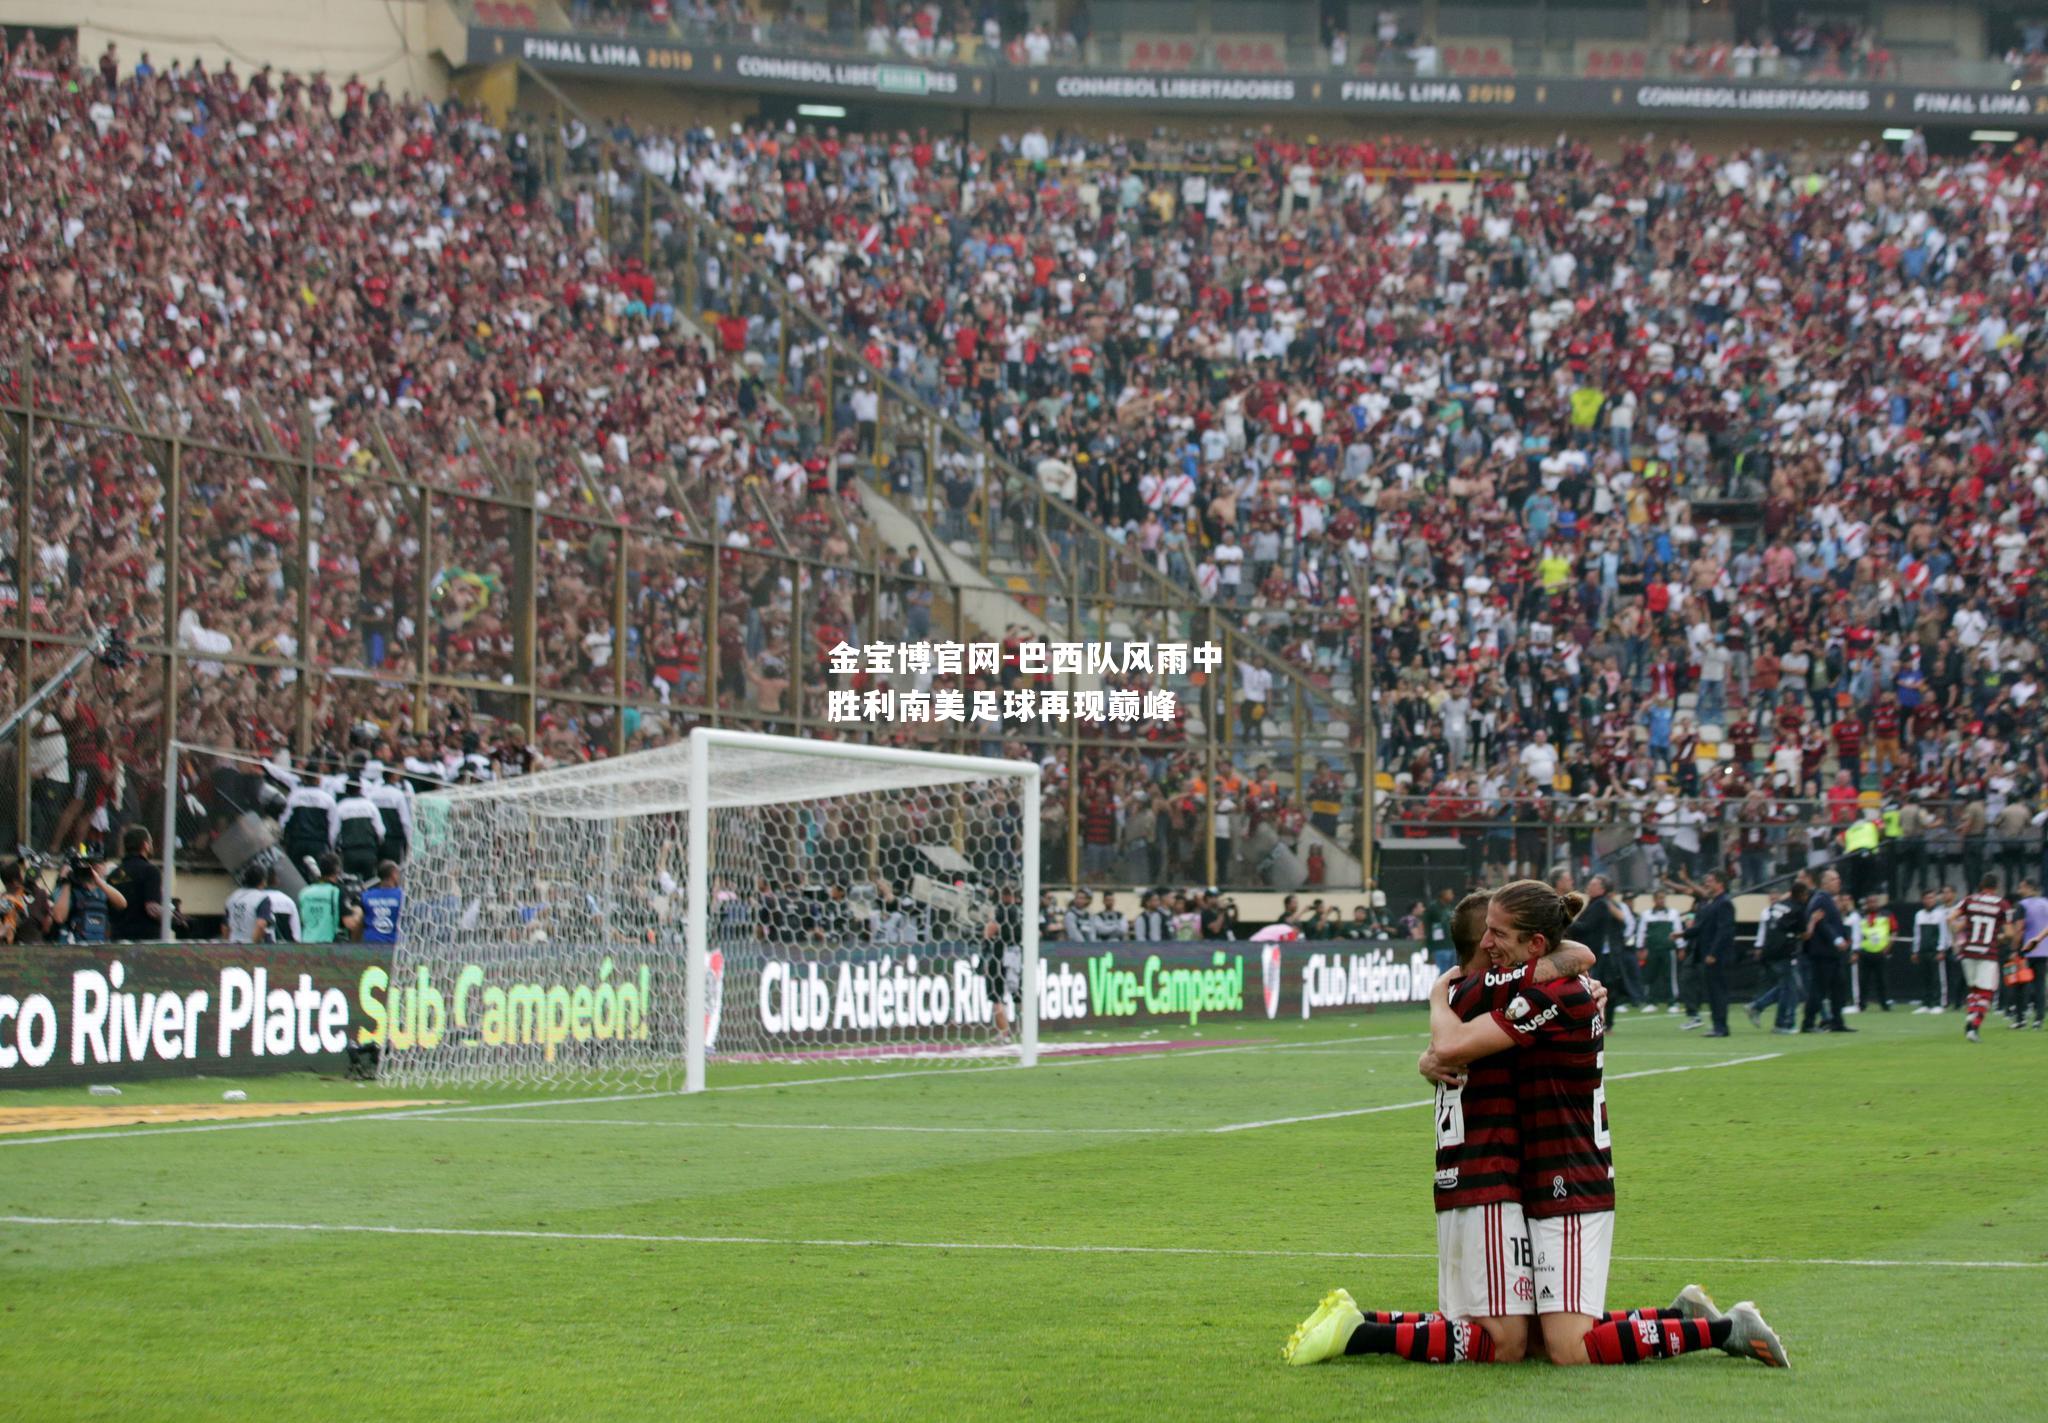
<point x="1483" y="1262"/>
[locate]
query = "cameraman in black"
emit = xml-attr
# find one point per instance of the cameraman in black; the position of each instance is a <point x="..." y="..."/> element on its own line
<point x="85" y="903"/>
<point x="1602" y="926"/>
<point x="1219" y="916"/>
<point x="1777" y="949"/>
<point x="141" y="886"/>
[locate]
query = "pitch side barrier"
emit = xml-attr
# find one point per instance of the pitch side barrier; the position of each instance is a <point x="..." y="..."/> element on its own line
<point x="77" y="1014"/>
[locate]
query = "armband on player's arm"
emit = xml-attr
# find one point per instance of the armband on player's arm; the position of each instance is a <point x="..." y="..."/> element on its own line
<point x="1456" y="1043"/>
<point x="1567" y="960"/>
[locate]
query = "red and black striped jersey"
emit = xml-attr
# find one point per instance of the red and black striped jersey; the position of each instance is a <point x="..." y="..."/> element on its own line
<point x="1478" y="1132"/>
<point x="1976" y="924"/>
<point x="1567" y="1160"/>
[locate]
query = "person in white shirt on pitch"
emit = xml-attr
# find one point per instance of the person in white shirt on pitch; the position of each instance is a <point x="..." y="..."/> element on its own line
<point x="1932" y="946"/>
<point x="1658" y="932"/>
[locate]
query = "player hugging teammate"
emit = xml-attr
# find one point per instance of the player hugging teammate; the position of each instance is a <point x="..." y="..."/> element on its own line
<point x="1524" y="1170"/>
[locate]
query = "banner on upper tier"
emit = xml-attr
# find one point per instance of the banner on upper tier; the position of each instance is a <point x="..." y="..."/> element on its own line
<point x="73" y="1014"/>
<point x="688" y="64"/>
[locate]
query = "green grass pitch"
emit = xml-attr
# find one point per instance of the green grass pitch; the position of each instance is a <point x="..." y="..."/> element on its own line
<point x="1079" y="1243"/>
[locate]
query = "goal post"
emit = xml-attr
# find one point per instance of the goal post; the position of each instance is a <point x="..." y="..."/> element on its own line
<point x="736" y="896"/>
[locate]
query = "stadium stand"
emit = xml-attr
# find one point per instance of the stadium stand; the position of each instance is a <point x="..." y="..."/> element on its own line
<point x="1723" y="473"/>
<point x="1621" y="399"/>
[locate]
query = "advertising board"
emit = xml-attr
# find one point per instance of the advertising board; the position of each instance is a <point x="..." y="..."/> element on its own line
<point x="113" y="1012"/>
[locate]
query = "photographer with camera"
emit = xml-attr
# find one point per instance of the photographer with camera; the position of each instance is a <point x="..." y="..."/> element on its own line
<point x="85" y="903"/>
<point x="141" y="886"/>
<point x="26" y="914"/>
<point x="1219" y="916"/>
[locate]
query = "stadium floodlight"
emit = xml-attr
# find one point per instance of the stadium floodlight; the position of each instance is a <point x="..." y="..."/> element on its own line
<point x="1897" y="135"/>
<point x="734" y="896"/>
<point x="1994" y="135"/>
<point x="821" y="111"/>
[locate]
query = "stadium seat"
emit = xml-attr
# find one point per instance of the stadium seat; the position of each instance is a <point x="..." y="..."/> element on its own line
<point x="1268" y="56"/>
<point x="1184" y="57"/>
<point x="1596" y="64"/>
<point x="1141" y="55"/>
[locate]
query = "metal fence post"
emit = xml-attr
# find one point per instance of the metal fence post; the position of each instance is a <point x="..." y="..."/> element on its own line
<point x="166" y="930"/>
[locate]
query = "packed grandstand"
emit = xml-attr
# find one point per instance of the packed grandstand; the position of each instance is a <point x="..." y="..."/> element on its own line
<point x="1680" y="492"/>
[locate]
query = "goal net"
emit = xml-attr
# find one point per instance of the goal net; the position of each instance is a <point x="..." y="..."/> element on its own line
<point x="733" y="897"/>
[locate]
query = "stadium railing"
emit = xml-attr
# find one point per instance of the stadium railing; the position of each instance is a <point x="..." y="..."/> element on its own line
<point x="232" y="644"/>
<point x="1628" y="840"/>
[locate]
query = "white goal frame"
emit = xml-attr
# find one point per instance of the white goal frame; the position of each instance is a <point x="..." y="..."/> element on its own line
<point x="697" y="881"/>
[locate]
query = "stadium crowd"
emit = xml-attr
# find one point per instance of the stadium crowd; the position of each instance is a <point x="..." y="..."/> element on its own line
<point x="289" y="265"/>
<point x="1668" y="478"/>
<point x="1637" y="457"/>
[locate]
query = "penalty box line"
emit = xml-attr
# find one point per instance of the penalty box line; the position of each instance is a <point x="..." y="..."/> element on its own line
<point x="1431" y="1101"/>
<point x="468" y="1116"/>
<point x="1018" y="1247"/>
<point x="1025" y="1131"/>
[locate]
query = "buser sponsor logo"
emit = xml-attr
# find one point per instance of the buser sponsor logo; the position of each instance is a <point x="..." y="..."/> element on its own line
<point x="1538" y="1021"/>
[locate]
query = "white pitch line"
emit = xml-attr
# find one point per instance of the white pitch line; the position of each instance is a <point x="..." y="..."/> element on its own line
<point x="1164" y="1053"/>
<point x="826" y="1243"/>
<point x="1431" y="1101"/>
<point x="402" y="1114"/>
<point x="341" y="1118"/>
<point x="330" y="1119"/>
<point x="806" y="1126"/>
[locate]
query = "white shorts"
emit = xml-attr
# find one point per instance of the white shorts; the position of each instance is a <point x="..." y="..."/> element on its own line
<point x="1981" y="974"/>
<point x="1482" y="1262"/>
<point x="1572" y="1253"/>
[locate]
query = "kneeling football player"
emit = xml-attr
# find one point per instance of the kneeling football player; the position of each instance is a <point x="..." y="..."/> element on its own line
<point x="1552" y="1031"/>
<point x="1485" y="1290"/>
